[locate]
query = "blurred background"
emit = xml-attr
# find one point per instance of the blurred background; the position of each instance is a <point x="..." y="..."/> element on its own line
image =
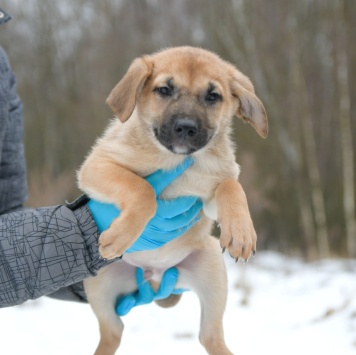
<point x="301" y="56"/>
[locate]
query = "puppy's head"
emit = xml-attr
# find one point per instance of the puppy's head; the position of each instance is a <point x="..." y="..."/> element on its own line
<point x="185" y="96"/>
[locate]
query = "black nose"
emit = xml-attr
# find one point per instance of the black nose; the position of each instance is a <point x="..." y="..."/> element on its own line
<point x="185" y="128"/>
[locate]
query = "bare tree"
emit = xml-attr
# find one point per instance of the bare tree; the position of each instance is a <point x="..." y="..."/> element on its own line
<point x="342" y="70"/>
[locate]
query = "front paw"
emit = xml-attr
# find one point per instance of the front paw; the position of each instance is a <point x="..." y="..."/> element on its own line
<point x="125" y="230"/>
<point x="122" y="233"/>
<point x="238" y="236"/>
<point x="112" y="245"/>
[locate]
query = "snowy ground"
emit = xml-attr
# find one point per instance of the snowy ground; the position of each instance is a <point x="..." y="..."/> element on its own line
<point x="277" y="305"/>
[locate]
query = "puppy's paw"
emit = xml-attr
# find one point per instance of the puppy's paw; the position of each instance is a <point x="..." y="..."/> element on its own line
<point x="123" y="232"/>
<point x="112" y="245"/>
<point x="238" y="236"/>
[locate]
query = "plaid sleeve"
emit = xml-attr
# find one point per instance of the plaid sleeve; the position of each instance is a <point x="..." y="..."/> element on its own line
<point x="45" y="249"/>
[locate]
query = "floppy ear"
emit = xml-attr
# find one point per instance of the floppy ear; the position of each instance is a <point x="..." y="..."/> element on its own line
<point x="123" y="96"/>
<point x="251" y="108"/>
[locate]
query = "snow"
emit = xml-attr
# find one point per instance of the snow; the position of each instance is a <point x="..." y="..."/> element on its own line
<point x="276" y="305"/>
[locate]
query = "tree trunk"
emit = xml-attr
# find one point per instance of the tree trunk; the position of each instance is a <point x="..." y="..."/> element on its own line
<point x="346" y="131"/>
<point x="305" y="115"/>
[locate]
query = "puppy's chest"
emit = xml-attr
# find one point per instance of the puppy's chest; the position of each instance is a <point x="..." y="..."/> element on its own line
<point x="201" y="179"/>
<point x="194" y="182"/>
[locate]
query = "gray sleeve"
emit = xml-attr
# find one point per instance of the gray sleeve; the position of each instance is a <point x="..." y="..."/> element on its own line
<point x="45" y="249"/>
<point x="13" y="187"/>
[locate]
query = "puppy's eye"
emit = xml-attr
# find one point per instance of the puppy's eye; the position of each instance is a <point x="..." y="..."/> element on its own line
<point x="164" y="91"/>
<point x="213" y="97"/>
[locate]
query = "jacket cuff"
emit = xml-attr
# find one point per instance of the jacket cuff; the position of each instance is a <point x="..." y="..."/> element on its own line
<point x="90" y="234"/>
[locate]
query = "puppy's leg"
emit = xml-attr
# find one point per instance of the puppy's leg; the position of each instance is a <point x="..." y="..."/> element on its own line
<point x="204" y="272"/>
<point x="102" y="294"/>
<point x="110" y="336"/>
<point x="135" y="197"/>
<point x="237" y="232"/>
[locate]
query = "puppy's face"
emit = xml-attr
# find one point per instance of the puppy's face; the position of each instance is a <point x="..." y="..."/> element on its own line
<point x="185" y="96"/>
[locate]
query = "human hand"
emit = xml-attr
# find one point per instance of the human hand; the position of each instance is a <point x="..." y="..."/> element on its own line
<point x="173" y="217"/>
<point x="145" y="293"/>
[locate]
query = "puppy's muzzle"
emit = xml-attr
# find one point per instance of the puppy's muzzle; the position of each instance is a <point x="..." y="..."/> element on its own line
<point x="183" y="134"/>
<point x="185" y="128"/>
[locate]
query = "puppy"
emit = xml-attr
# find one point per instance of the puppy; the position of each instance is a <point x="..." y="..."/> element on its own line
<point x="171" y="104"/>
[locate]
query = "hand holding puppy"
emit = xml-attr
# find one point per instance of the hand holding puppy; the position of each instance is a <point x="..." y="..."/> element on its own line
<point x="173" y="217"/>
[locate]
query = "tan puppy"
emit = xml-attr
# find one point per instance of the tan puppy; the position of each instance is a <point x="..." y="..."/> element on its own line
<point x="171" y="104"/>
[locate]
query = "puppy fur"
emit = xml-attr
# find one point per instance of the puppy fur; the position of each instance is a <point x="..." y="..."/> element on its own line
<point x="174" y="103"/>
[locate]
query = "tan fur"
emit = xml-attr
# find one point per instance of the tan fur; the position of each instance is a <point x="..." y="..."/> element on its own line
<point x="129" y="150"/>
<point x="168" y="302"/>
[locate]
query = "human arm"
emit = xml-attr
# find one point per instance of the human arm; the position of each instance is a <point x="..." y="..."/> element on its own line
<point x="45" y="249"/>
<point x="48" y="251"/>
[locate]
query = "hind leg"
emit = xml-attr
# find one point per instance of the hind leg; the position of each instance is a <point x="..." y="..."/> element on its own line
<point x="102" y="295"/>
<point x="204" y="272"/>
<point x="110" y="335"/>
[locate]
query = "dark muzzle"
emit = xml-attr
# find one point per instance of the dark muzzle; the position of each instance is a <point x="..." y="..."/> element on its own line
<point x="183" y="134"/>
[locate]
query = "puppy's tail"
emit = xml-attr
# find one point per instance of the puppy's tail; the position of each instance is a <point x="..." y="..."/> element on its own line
<point x="170" y="301"/>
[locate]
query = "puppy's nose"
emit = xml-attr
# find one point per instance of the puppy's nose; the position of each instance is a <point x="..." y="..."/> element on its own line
<point x="185" y="128"/>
